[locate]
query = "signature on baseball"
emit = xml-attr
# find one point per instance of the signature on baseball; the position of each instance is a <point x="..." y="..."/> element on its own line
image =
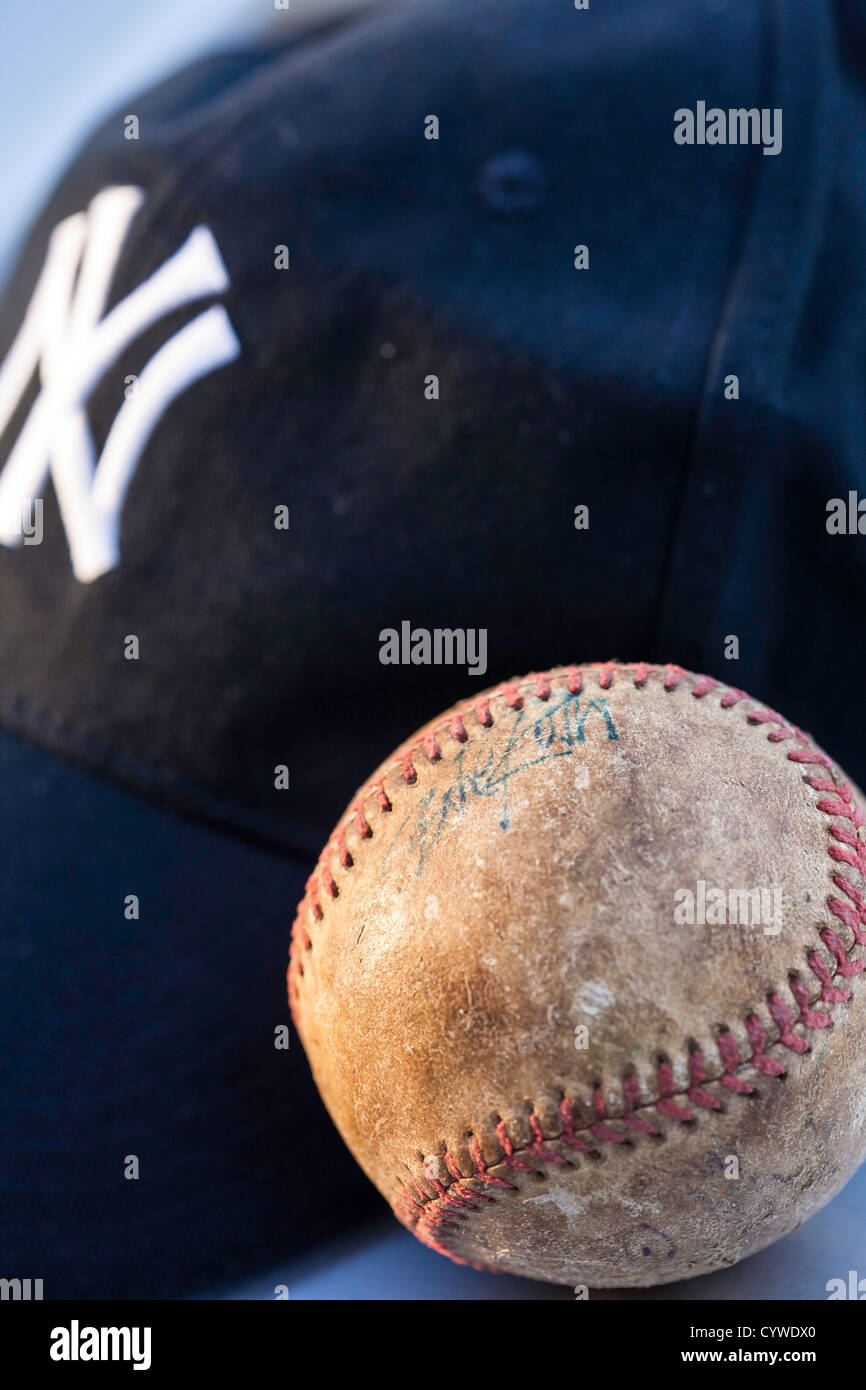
<point x="540" y="731"/>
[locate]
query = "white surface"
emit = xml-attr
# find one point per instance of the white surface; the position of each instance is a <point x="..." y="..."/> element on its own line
<point x="390" y="1264"/>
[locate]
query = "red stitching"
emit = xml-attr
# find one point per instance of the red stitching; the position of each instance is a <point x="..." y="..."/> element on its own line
<point x="733" y="697"/>
<point x="312" y="891"/>
<point x="429" y="1215"/>
<point x="327" y="879"/>
<point x="378" y="791"/>
<point x="508" y="1150"/>
<point x="844" y="967"/>
<point x="568" y="1135"/>
<point x="633" y="1102"/>
<point x="665" y="1104"/>
<point x="538" y="1148"/>
<point x="431" y="748"/>
<point x="480" y="1167"/>
<point x="512" y="696"/>
<point x="599" y="1129"/>
<point x="730" y="1055"/>
<point x="339" y="841"/>
<point x="697" y="1095"/>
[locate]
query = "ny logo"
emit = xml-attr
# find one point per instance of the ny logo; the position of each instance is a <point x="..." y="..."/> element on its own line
<point x="66" y="337"/>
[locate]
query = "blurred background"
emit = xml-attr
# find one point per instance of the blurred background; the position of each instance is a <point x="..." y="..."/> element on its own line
<point x="58" y="80"/>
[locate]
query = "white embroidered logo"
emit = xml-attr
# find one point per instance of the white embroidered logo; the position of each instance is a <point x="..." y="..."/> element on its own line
<point x="66" y="337"/>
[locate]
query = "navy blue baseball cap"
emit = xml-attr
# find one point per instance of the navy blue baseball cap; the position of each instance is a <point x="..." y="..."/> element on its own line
<point x="305" y="346"/>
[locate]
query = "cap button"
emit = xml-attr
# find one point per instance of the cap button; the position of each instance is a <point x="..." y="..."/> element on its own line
<point x="512" y="182"/>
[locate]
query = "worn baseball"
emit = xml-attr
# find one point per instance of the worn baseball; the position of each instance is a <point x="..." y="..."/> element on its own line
<point x="579" y="976"/>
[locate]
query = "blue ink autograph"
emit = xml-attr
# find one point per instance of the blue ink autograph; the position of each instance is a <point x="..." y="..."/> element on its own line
<point x="540" y="731"/>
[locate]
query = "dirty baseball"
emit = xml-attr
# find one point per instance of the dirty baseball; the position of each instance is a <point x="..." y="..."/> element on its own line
<point x="579" y="976"/>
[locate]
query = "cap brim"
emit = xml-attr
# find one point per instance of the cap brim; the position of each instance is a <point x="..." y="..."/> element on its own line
<point x="145" y="1044"/>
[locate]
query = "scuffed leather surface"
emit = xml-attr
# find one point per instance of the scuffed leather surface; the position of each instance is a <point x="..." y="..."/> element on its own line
<point x="523" y="884"/>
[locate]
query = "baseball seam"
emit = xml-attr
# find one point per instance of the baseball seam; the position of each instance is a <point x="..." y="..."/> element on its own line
<point x="428" y="1214"/>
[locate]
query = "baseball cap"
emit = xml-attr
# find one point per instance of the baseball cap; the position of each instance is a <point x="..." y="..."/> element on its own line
<point x="320" y="340"/>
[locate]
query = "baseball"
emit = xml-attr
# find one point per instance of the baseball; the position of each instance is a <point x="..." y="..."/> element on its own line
<point x="579" y="977"/>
